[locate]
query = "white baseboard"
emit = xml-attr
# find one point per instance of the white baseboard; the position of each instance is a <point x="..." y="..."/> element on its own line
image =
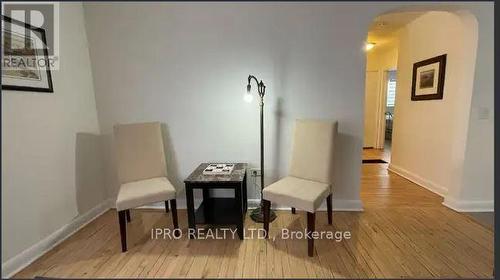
<point x="338" y="205"/>
<point x="469" y="205"/>
<point x="23" y="259"/>
<point x="431" y="186"/>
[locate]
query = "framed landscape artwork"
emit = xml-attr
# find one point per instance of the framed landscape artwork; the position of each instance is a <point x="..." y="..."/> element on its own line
<point x="428" y="79"/>
<point x="25" y="62"/>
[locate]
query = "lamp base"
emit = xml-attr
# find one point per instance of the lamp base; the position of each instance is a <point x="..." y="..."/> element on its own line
<point x="257" y="215"/>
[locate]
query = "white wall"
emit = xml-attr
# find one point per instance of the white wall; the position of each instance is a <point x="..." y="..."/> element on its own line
<point x="475" y="191"/>
<point x="187" y="65"/>
<point x="429" y="136"/>
<point x="378" y="61"/>
<point x="44" y="184"/>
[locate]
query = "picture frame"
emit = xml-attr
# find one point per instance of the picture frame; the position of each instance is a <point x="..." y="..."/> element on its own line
<point x="25" y="59"/>
<point x="428" y="79"/>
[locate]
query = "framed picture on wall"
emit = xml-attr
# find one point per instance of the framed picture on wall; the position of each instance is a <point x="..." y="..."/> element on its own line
<point x="25" y="61"/>
<point x="428" y="79"/>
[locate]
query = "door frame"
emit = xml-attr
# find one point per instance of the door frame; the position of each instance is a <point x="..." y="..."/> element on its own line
<point x="372" y="122"/>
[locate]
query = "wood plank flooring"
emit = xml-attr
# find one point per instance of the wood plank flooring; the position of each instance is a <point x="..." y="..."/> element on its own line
<point x="384" y="154"/>
<point x="403" y="232"/>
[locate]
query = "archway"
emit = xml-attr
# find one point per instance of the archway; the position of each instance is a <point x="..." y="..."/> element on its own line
<point x="429" y="137"/>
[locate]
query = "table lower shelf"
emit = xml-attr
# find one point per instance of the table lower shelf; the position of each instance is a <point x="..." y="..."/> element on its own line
<point x="218" y="211"/>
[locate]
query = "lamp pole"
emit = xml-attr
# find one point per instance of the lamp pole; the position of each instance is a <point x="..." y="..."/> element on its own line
<point x="257" y="214"/>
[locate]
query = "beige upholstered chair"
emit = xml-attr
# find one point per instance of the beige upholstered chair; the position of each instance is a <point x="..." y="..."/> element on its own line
<point x="309" y="181"/>
<point x="141" y="171"/>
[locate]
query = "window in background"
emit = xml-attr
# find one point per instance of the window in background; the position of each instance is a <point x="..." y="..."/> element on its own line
<point x="391" y="92"/>
<point x="389" y="110"/>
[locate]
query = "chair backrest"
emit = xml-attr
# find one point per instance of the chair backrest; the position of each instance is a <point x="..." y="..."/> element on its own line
<point x="139" y="151"/>
<point x="312" y="150"/>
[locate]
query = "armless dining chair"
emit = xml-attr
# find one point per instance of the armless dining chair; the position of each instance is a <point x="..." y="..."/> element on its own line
<point x="142" y="172"/>
<point x="309" y="181"/>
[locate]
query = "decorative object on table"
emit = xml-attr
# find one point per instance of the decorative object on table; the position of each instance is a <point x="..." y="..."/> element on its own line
<point x="217" y="210"/>
<point x="218" y="169"/>
<point x="142" y="172"/>
<point x="309" y="179"/>
<point x="428" y="79"/>
<point x="257" y="214"/>
<point x="25" y="60"/>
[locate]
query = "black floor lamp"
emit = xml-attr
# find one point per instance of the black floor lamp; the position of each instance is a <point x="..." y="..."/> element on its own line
<point x="257" y="214"/>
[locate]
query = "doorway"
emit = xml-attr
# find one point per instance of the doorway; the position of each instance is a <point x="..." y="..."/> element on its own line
<point x="417" y="133"/>
<point x="390" y="98"/>
<point x="380" y="96"/>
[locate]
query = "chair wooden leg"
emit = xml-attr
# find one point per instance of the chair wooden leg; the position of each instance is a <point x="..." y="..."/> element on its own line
<point x="166" y="206"/>
<point x="173" y="204"/>
<point x="329" y="208"/>
<point x="123" y="228"/>
<point x="293" y="210"/>
<point x="311" y="217"/>
<point x="128" y="215"/>
<point x="267" y="210"/>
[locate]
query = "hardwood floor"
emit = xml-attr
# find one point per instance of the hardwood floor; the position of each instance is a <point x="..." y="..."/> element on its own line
<point x="403" y="232"/>
<point x="384" y="154"/>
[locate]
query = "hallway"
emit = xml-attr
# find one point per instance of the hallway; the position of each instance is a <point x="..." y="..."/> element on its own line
<point x="383" y="189"/>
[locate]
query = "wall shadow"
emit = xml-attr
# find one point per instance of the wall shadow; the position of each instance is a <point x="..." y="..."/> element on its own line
<point x="109" y="159"/>
<point x="278" y="113"/>
<point x="345" y="166"/>
<point x="171" y="160"/>
<point x="89" y="172"/>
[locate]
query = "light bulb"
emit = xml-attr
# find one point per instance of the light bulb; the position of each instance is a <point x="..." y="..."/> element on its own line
<point x="248" y="97"/>
<point x="369" y="46"/>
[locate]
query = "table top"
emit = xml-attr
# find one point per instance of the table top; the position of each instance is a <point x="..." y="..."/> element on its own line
<point x="197" y="175"/>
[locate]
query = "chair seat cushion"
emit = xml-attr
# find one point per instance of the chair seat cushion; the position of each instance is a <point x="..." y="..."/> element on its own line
<point x="143" y="192"/>
<point x="296" y="192"/>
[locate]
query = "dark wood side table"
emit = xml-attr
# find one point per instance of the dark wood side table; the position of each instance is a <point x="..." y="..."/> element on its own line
<point x="218" y="210"/>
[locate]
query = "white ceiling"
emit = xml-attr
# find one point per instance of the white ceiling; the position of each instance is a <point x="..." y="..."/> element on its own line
<point x="383" y="28"/>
